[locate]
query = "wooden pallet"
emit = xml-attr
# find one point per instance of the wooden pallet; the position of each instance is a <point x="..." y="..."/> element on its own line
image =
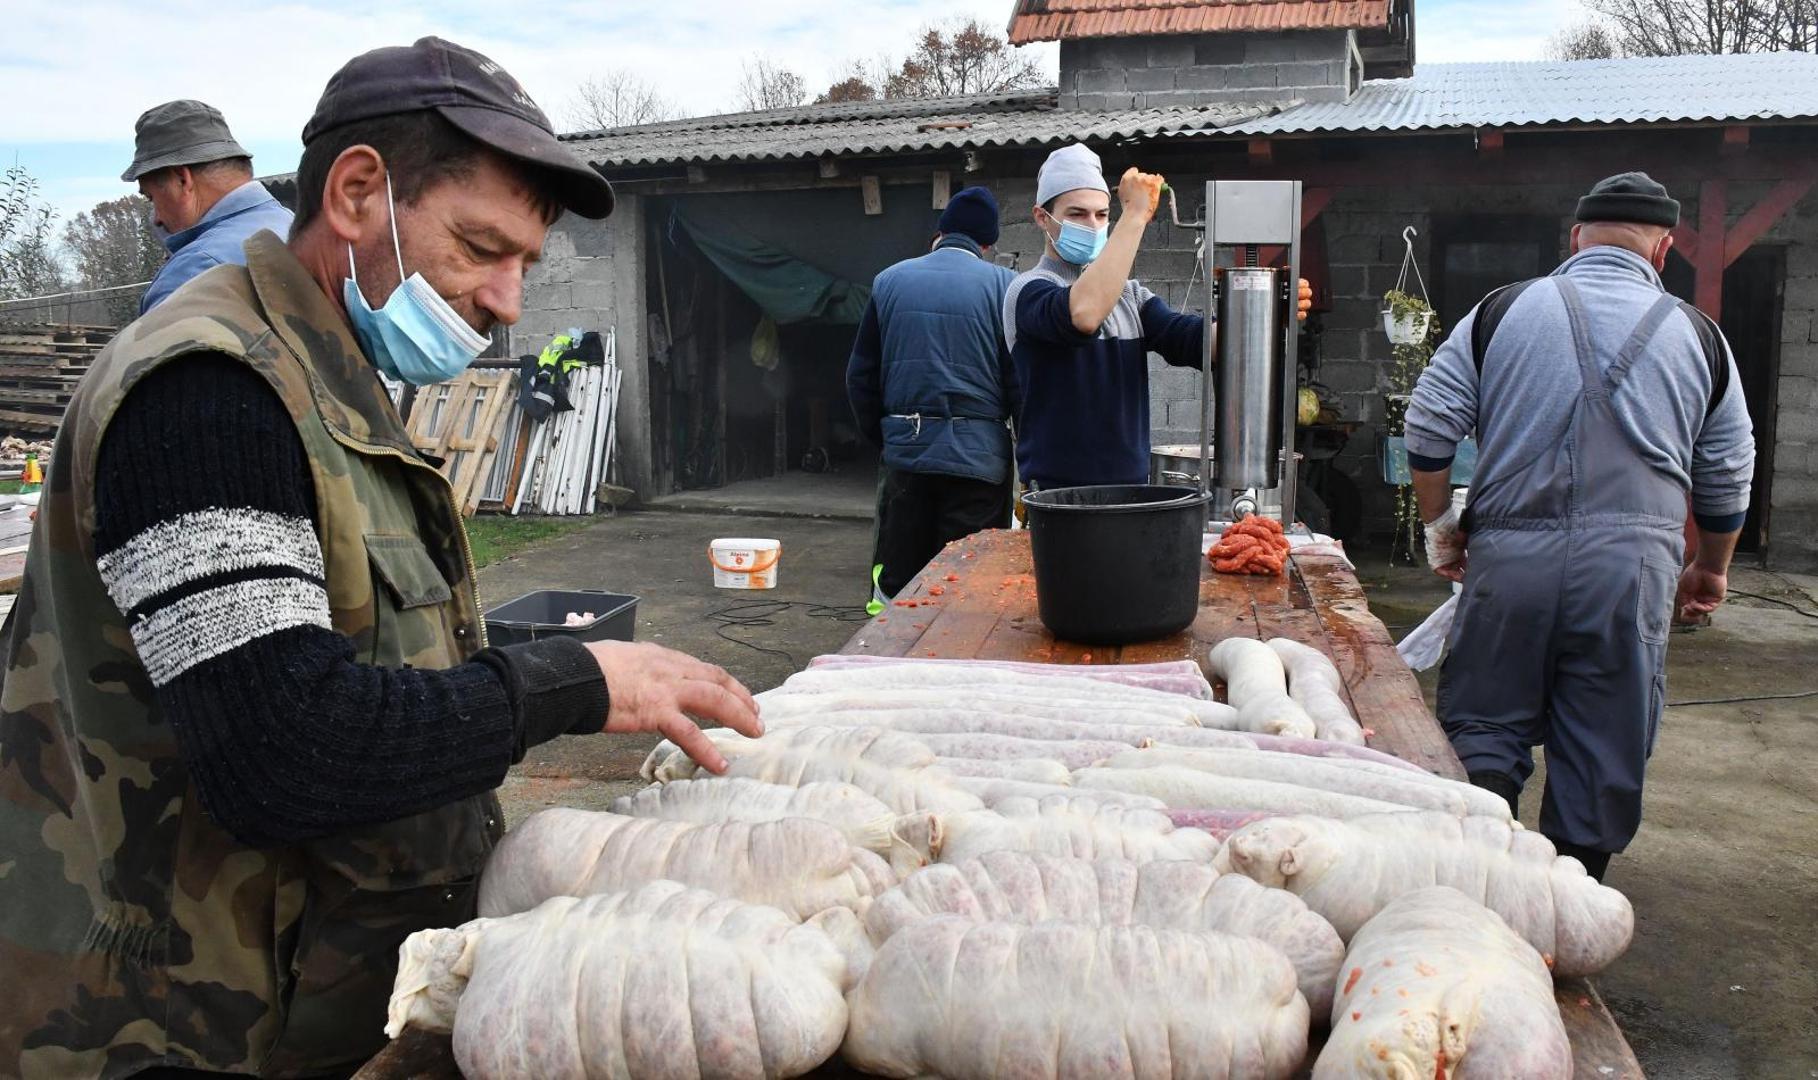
<point x="459" y="423"/>
<point x="15" y="419"/>
<point x="40" y="368"/>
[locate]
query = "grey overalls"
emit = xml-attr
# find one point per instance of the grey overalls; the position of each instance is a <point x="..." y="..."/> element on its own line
<point x="1560" y="638"/>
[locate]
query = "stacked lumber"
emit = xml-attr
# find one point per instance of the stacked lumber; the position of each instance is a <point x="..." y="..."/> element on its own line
<point x="40" y="367"/>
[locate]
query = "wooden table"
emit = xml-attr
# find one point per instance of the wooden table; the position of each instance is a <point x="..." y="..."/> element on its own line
<point x="985" y="609"/>
<point x="976" y="601"/>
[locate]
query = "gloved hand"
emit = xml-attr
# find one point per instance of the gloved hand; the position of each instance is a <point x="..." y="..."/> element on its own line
<point x="1446" y="546"/>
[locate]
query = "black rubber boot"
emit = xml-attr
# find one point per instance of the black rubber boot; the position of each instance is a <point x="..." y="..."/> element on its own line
<point x="1595" y="862"/>
<point x="1501" y="785"/>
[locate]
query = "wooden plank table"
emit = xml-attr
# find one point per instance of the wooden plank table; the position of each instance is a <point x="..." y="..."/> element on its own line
<point x="976" y="601"/>
<point x="985" y="609"/>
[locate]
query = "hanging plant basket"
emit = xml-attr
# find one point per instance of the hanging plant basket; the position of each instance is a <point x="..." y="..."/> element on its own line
<point x="1406" y="317"/>
<point x="1406" y="327"/>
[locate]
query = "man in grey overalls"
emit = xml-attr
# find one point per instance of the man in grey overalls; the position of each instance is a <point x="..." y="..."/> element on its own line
<point x="1599" y="402"/>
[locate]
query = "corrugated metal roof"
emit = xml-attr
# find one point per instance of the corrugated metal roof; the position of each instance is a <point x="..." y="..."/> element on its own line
<point x="811" y="131"/>
<point x="1055" y="20"/>
<point x="1663" y="89"/>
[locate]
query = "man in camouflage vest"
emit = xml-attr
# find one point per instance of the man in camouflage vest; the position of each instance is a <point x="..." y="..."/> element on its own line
<point x="250" y="728"/>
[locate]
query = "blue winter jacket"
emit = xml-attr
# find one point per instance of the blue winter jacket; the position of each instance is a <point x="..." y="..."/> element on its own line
<point x="930" y="377"/>
<point x="217" y="238"/>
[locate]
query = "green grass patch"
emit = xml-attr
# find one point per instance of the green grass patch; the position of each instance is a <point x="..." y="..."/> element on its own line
<point x="500" y="536"/>
<point x="10" y="487"/>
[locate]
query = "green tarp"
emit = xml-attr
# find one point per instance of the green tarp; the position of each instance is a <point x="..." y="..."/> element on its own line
<point x="786" y="288"/>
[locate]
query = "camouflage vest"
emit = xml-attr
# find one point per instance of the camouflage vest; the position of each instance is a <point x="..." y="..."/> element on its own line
<point x="133" y="931"/>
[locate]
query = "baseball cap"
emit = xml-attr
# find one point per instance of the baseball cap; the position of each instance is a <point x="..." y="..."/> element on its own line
<point x="471" y="92"/>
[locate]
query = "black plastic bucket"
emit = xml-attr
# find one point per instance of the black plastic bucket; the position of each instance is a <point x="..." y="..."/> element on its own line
<point x="1117" y="564"/>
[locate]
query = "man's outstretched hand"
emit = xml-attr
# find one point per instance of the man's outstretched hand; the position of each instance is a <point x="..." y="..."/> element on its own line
<point x="661" y="690"/>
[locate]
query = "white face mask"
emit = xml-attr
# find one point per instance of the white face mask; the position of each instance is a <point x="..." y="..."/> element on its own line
<point x="416" y="336"/>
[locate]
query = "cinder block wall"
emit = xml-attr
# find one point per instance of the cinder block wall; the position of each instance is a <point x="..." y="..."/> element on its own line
<point x="592" y="277"/>
<point x="572" y="286"/>
<point x="1181" y="69"/>
<point x="1793" y="515"/>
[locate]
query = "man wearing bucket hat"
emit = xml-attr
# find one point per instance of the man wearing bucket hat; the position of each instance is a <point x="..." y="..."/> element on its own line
<point x="930" y="382"/>
<point x="252" y="728"/>
<point x="1080" y="329"/>
<point x="1600" y="402"/>
<point x="205" y="202"/>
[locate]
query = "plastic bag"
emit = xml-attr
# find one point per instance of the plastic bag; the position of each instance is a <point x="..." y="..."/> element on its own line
<point x="1422" y="648"/>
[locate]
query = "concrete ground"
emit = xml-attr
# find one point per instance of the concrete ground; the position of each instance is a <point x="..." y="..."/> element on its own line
<point x="1722" y="979"/>
<point x="849" y="494"/>
<point x="760" y="637"/>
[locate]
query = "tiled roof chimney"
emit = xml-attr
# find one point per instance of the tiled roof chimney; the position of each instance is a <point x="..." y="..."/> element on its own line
<point x="1136" y="54"/>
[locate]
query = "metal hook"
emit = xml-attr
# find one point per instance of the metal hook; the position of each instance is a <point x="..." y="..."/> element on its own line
<point x="1408" y="234"/>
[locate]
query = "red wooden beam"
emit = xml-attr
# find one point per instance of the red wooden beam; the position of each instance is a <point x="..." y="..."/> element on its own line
<point x="1735" y="140"/>
<point x="1685" y="242"/>
<point x="1313" y="202"/>
<point x="1489" y="143"/>
<point x="1713" y="205"/>
<point x="1262" y="152"/>
<point x="1755" y="224"/>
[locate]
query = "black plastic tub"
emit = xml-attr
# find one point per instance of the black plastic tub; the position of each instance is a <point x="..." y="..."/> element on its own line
<point x="542" y="614"/>
<point x="1117" y="564"/>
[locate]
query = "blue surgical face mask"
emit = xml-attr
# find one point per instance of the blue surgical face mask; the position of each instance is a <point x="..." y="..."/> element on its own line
<point x="416" y="336"/>
<point x="1079" y="245"/>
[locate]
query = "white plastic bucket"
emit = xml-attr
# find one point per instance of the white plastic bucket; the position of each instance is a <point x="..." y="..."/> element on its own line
<point x="745" y="563"/>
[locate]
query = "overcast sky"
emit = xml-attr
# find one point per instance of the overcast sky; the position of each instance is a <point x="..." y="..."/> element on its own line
<point x="74" y="75"/>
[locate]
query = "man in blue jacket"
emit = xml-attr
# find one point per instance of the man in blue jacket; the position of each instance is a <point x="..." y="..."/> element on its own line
<point x="930" y="381"/>
<point x="205" y="202"/>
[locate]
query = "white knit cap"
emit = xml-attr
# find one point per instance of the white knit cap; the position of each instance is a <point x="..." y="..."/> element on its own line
<point x="1069" y="169"/>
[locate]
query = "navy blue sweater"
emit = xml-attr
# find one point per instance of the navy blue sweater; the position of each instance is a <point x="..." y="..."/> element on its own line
<point x="1085" y="397"/>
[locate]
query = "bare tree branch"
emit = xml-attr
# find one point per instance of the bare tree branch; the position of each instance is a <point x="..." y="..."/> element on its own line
<point x="1682" y="27"/>
<point x="963" y="56"/>
<point x="768" y="85"/>
<point x="617" y="99"/>
<point x="1583" y="41"/>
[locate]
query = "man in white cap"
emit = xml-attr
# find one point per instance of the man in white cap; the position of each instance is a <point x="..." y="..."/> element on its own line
<point x="1080" y="330"/>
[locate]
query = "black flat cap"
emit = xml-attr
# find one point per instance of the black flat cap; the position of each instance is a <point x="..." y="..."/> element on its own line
<point x="1630" y="196"/>
<point x="180" y="133"/>
<point x="470" y="92"/>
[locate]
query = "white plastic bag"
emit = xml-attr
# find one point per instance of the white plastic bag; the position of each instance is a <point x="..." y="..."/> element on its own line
<point x="1422" y="648"/>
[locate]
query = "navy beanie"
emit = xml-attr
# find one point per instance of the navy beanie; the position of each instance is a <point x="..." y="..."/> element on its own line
<point x="972" y="212"/>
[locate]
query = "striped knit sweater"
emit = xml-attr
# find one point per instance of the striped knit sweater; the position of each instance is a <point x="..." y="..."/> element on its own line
<point x="206" y="539"/>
